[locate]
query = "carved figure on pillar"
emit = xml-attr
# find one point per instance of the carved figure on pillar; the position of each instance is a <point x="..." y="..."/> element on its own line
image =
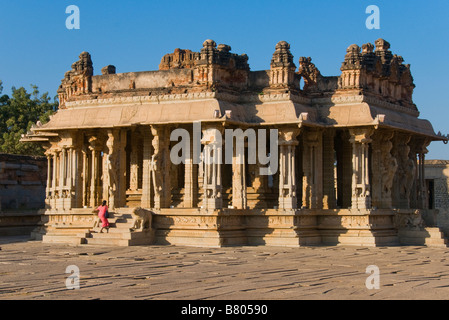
<point x="384" y="167"/>
<point x="112" y="167"/>
<point x="155" y="167"/>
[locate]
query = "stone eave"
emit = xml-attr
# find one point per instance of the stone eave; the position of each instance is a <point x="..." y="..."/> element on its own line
<point x="33" y="139"/>
<point x="174" y="109"/>
<point x="433" y="137"/>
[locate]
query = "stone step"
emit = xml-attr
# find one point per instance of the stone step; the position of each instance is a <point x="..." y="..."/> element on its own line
<point x="119" y="229"/>
<point x="68" y="231"/>
<point x="432" y="237"/>
<point x="120" y="221"/>
<point x="72" y="233"/>
<point x="71" y="226"/>
<point x="66" y="239"/>
<point x="360" y="241"/>
<point x="123" y="220"/>
<point x="433" y="233"/>
<point x="107" y="242"/>
<point x="110" y="235"/>
<point x="421" y="242"/>
<point x="121" y="224"/>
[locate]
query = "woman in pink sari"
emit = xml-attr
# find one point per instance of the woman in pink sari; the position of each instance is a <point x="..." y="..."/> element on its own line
<point x="101" y="214"/>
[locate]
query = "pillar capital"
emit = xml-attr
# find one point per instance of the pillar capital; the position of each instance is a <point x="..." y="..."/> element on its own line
<point x="287" y="136"/>
<point x="212" y="135"/>
<point x="312" y="136"/>
<point x="361" y="135"/>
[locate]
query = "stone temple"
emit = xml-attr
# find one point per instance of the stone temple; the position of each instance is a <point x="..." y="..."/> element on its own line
<point x="350" y="154"/>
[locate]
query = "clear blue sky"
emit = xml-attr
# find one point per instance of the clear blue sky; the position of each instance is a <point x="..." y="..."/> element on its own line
<point x="37" y="48"/>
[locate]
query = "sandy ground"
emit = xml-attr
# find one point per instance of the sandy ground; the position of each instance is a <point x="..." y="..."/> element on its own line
<point x="31" y="270"/>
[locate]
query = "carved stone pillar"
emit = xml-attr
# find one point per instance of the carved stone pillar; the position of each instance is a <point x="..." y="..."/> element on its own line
<point x="166" y="166"/>
<point x="417" y="153"/>
<point x="239" y="197"/>
<point x="105" y="174"/>
<point x="329" y="192"/>
<point x="68" y="169"/>
<point x="134" y="167"/>
<point x="212" y="160"/>
<point x="49" y="175"/>
<point x="405" y="174"/>
<point x="95" y="148"/>
<point x="146" y="171"/>
<point x="160" y="167"/>
<point x="77" y="180"/>
<point x="190" y="181"/>
<point x="49" y="193"/>
<point x="93" y="183"/>
<point x="54" y="187"/>
<point x="312" y="193"/>
<point x="287" y="168"/>
<point x="111" y="167"/>
<point x="422" y="192"/>
<point x="85" y="176"/>
<point x="120" y="199"/>
<point x="383" y="167"/>
<point x="55" y="173"/>
<point x="361" y="192"/>
<point x="62" y="170"/>
<point x="70" y="203"/>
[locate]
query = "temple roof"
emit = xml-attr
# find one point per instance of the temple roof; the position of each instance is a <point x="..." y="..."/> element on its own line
<point x="374" y="89"/>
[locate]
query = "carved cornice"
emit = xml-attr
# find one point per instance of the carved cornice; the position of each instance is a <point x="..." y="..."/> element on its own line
<point x="355" y="99"/>
<point x="142" y="99"/>
<point x="274" y="97"/>
<point x="242" y="98"/>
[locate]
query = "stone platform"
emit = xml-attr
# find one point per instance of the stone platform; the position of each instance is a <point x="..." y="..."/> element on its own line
<point x="36" y="271"/>
<point x="237" y="227"/>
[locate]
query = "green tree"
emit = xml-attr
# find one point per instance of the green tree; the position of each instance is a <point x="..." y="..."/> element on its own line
<point x="18" y="113"/>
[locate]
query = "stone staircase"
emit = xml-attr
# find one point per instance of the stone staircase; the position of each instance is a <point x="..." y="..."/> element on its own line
<point x="82" y="231"/>
<point x="120" y="232"/>
<point x="68" y="234"/>
<point x="60" y="227"/>
<point x="431" y="237"/>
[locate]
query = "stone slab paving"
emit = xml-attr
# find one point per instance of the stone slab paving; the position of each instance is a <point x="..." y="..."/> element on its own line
<point x="31" y="270"/>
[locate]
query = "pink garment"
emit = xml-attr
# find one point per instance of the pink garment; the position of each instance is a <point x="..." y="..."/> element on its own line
<point x="101" y="212"/>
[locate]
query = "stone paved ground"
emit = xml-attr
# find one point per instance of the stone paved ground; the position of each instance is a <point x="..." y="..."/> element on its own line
<point x="32" y="270"/>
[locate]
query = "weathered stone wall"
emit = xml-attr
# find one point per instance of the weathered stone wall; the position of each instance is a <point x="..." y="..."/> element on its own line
<point x="22" y="193"/>
<point x="438" y="171"/>
<point x="22" y="182"/>
<point x="141" y="80"/>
